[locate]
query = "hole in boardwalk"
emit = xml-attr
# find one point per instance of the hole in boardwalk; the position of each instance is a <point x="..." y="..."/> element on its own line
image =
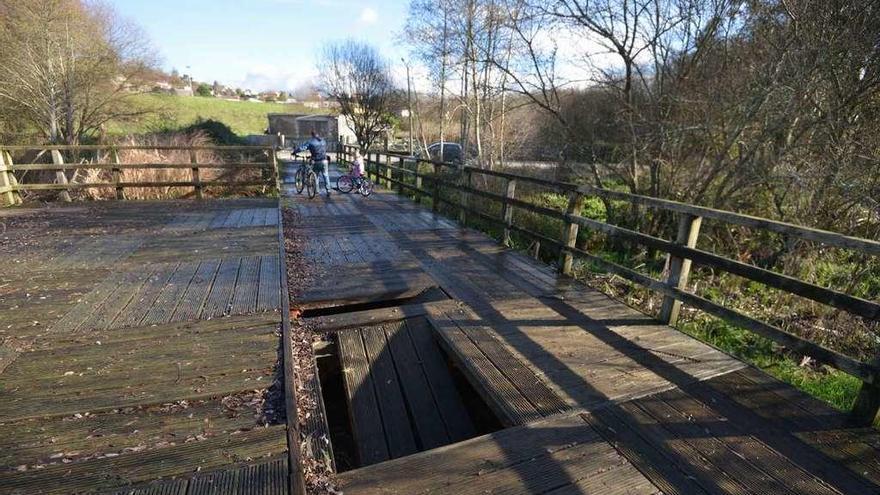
<point x="389" y="391"/>
<point x="431" y="294"/>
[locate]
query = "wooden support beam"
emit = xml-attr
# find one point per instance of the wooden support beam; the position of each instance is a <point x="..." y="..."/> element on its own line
<point x="679" y="268"/>
<point x="570" y="231"/>
<point x="60" y="176"/>
<point x="196" y="180"/>
<point x="389" y="177"/>
<point x="273" y="158"/>
<point x="117" y="174"/>
<point x="464" y="180"/>
<point x="866" y="409"/>
<point x="418" y="181"/>
<point x="435" y="189"/>
<point x="5" y="183"/>
<point x="507" y="211"/>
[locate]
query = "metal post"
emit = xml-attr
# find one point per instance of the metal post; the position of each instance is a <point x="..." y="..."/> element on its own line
<point x="679" y="269"/>
<point x="570" y="232"/>
<point x="117" y="174"/>
<point x="507" y="211"/>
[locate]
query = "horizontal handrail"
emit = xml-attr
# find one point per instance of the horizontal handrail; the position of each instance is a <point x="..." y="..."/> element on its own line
<point x="826" y="237"/>
<point x="869" y="373"/>
<point x="114" y="168"/>
<point x="97" y="185"/>
<point x="134" y="166"/>
<point x="108" y="147"/>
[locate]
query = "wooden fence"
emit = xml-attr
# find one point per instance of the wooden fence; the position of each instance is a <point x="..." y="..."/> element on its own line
<point x="454" y="186"/>
<point x="106" y="158"/>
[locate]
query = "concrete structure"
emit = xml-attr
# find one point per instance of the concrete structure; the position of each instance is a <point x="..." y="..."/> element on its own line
<point x="298" y="127"/>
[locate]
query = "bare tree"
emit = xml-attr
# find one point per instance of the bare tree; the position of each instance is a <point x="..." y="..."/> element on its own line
<point x="358" y="77"/>
<point x="69" y="67"/>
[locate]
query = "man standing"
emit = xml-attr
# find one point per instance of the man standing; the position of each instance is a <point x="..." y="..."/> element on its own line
<point x="318" y="150"/>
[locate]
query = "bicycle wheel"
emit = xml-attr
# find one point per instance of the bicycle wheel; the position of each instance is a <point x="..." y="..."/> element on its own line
<point x="344" y="184"/>
<point x="311" y="184"/>
<point x="366" y="187"/>
<point x="299" y="180"/>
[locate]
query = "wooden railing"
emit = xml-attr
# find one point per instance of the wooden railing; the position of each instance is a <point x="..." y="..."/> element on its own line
<point x="454" y="185"/>
<point x="106" y="158"/>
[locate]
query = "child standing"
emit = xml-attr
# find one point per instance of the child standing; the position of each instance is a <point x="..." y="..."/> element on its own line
<point x="357" y="166"/>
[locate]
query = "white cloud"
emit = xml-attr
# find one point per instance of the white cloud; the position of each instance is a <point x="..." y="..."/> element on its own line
<point x="369" y="15"/>
<point x="264" y="77"/>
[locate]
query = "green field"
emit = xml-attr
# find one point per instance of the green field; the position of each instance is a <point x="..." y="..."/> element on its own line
<point x="168" y="112"/>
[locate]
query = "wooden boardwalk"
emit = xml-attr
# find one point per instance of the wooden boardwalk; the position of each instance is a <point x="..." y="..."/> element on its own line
<point x="140" y="341"/>
<point x="592" y="396"/>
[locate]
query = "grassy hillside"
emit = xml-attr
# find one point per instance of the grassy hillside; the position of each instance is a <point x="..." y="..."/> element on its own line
<point x="168" y="112"/>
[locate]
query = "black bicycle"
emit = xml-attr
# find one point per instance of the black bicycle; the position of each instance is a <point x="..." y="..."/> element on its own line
<point x="306" y="178"/>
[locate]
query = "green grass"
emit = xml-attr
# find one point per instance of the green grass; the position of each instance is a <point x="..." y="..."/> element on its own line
<point x="169" y="112"/>
<point x="828" y="384"/>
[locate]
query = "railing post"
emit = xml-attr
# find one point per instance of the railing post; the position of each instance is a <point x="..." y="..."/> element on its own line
<point x="570" y="232"/>
<point x="60" y="176"/>
<point x="679" y="268"/>
<point x="389" y="174"/>
<point x="273" y="155"/>
<point x="435" y="189"/>
<point x="418" y="181"/>
<point x="507" y="211"/>
<point x="866" y="409"/>
<point x="196" y="180"/>
<point x="117" y="174"/>
<point x="5" y="182"/>
<point x="464" y="180"/>
<point x="10" y="175"/>
<point x="536" y="250"/>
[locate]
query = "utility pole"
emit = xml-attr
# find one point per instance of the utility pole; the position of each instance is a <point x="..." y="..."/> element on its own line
<point x="409" y="106"/>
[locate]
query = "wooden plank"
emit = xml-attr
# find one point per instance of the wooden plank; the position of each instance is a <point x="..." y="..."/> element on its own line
<point x="111" y="473"/>
<point x="193" y="300"/>
<point x="363" y="408"/>
<point x="436" y="470"/>
<point x="142" y="301"/>
<point x="398" y="430"/>
<point x="545" y="401"/>
<point x="218" y="302"/>
<point x="170" y="296"/>
<point x="269" y="297"/>
<point x="507" y="401"/>
<point x="244" y="298"/>
<point x="449" y="403"/>
<point x="429" y="425"/>
<point x="695" y="419"/>
<point x="102" y="317"/>
<point x="654" y="464"/>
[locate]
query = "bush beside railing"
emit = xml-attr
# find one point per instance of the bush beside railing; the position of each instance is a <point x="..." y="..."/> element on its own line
<point x="455" y="186"/>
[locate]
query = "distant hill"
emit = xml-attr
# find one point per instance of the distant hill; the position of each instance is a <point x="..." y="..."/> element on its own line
<point x="169" y="112"/>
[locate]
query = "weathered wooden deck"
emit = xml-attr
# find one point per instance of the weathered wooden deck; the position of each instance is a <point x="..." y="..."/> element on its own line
<point x="594" y="397"/>
<point x="140" y="341"/>
<point x="141" y="346"/>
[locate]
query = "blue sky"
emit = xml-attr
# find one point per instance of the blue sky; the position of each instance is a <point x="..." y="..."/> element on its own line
<point x="261" y="44"/>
